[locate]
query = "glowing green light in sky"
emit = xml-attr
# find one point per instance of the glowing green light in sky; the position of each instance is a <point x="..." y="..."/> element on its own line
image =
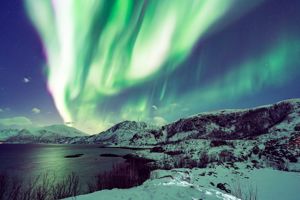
<point x="99" y="49"/>
<point x="273" y="68"/>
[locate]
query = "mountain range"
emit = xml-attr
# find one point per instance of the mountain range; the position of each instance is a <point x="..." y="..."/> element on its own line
<point x="216" y="154"/>
<point x="46" y="134"/>
<point x="228" y="154"/>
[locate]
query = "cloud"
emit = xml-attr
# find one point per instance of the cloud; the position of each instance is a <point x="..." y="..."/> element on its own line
<point x="159" y="121"/>
<point x="15" y="121"/>
<point x="36" y="110"/>
<point x="4" y="109"/>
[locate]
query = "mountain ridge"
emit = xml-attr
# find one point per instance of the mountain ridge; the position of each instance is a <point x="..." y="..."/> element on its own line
<point x="45" y="134"/>
<point x="222" y="124"/>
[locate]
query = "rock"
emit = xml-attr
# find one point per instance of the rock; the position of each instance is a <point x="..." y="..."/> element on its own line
<point x="157" y="149"/>
<point x="222" y="186"/>
<point x="217" y="143"/>
<point x="297" y="127"/>
<point x="255" y="150"/>
<point x="74" y="155"/>
<point x="227" y="125"/>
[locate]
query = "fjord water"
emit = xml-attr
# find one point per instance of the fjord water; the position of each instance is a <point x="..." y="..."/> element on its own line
<point x="26" y="161"/>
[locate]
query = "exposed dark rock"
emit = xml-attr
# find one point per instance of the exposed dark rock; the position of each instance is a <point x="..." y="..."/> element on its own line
<point x="74" y="155"/>
<point x="231" y="125"/>
<point x="157" y="149"/>
<point x="292" y="159"/>
<point x="173" y="153"/>
<point x="226" y="156"/>
<point x="202" y="174"/>
<point x="210" y="173"/>
<point x="297" y="127"/>
<point x="217" y="143"/>
<point x="222" y="186"/>
<point x="255" y="150"/>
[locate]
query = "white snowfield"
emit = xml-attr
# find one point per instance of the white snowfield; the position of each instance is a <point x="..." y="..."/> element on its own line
<point x="181" y="184"/>
<point x="161" y="188"/>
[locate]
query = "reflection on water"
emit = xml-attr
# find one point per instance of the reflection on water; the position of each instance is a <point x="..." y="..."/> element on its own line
<point x="30" y="160"/>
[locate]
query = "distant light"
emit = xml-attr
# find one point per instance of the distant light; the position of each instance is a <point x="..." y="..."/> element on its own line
<point x="26" y="79"/>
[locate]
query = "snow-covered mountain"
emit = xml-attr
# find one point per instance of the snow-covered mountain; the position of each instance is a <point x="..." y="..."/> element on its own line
<point x="47" y="134"/>
<point x="227" y="154"/>
<point x="9" y="132"/>
<point x="267" y="135"/>
<point x="264" y="136"/>
<point x="121" y="134"/>
<point x="242" y="124"/>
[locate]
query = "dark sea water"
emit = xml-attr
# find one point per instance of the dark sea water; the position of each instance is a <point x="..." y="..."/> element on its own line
<point x="30" y="160"/>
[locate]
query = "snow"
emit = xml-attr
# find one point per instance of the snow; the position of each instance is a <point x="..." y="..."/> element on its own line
<point x="6" y="133"/>
<point x="159" y="192"/>
<point x="274" y="184"/>
<point x="160" y="188"/>
<point x="178" y="184"/>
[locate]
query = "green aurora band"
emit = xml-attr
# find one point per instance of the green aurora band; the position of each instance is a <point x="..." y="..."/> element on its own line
<point x="99" y="50"/>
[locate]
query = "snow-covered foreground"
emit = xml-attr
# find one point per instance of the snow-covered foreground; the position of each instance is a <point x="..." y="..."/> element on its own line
<point x="265" y="184"/>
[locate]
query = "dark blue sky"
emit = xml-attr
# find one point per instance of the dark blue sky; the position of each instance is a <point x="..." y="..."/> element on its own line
<point x="246" y="39"/>
<point x="21" y="56"/>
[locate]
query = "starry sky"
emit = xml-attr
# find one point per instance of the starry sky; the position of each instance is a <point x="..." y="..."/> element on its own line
<point x="93" y="63"/>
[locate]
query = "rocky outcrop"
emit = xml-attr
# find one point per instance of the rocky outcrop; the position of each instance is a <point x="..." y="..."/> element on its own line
<point x="230" y="124"/>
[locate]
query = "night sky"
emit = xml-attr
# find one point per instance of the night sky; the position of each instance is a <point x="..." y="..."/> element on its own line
<point x="94" y="63"/>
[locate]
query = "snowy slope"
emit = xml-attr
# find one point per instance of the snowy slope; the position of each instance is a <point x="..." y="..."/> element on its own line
<point x="122" y="134"/>
<point x="161" y="186"/>
<point x="60" y="129"/>
<point x="9" y="132"/>
<point x="178" y="184"/>
<point x="223" y="124"/>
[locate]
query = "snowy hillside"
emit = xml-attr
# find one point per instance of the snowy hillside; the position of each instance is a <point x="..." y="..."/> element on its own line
<point x="122" y="134"/>
<point x="47" y="134"/>
<point x="9" y="132"/>
<point x="220" y="125"/>
<point x="228" y="154"/>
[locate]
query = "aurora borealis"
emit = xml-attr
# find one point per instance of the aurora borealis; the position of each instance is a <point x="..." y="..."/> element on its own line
<point x="159" y="60"/>
<point x="98" y="49"/>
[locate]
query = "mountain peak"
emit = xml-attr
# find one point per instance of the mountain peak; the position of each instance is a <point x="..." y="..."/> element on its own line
<point x="46" y="134"/>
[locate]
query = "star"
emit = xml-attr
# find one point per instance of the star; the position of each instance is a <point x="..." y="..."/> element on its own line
<point x="26" y="79"/>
